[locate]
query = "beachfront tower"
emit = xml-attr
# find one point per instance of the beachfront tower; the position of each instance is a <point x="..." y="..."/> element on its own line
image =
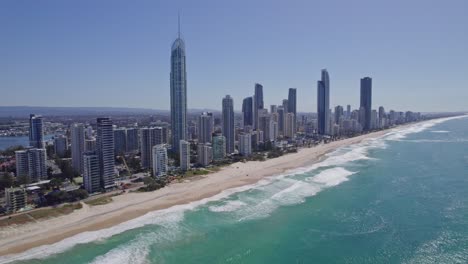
<point x="323" y="104"/>
<point x="366" y="102"/>
<point x="178" y="82"/>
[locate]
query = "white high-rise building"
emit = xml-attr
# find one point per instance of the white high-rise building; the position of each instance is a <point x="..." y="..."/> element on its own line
<point x="289" y="125"/>
<point x="245" y="144"/>
<point x="160" y="158"/>
<point x="205" y="127"/>
<point x="204" y="154"/>
<point x="77" y="146"/>
<point x="37" y="167"/>
<point x="149" y="137"/>
<point x="105" y="151"/>
<point x="184" y="155"/>
<point x="91" y="172"/>
<point x="273" y="130"/>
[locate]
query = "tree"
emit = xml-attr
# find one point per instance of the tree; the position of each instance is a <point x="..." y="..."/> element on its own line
<point x="11" y="150"/>
<point x="6" y="181"/>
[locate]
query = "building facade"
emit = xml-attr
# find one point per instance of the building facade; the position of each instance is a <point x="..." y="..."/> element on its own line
<point x="228" y="123"/>
<point x="323" y="104"/>
<point x="178" y="81"/>
<point x="105" y="151"/>
<point x="366" y="102"/>
<point x="160" y="158"/>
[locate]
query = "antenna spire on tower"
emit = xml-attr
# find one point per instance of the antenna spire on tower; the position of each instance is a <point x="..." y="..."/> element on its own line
<point x="178" y="23"/>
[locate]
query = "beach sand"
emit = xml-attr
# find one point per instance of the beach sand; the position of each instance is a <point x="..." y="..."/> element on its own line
<point x="16" y="239"/>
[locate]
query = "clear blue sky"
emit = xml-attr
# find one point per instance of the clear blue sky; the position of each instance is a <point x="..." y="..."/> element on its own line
<point x="117" y="53"/>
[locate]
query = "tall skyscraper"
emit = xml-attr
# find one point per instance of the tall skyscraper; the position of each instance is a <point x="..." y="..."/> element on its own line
<point x="22" y="164"/>
<point x="36" y="134"/>
<point x="31" y="164"/>
<point x="289" y="125"/>
<point x="264" y="120"/>
<point x="60" y="145"/>
<point x="132" y="139"/>
<point x="91" y="172"/>
<point x="286" y="105"/>
<point x="219" y="147"/>
<point x="228" y="123"/>
<point x="184" y="155"/>
<point x="245" y="144"/>
<point x="258" y="102"/>
<point x="178" y="93"/>
<point x="205" y="127"/>
<point x="149" y="137"/>
<point x="366" y="102"/>
<point x="292" y="104"/>
<point x="281" y="115"/>
<point x="204" y="154"/>
<point x="120" y="141"/>
<point x="348" y="111"/>
<point x="338" y="113"/>
<point x="37" y="167"/>
<point x="247" y="111"/>
<point x="77" y="146"/>
<point x="105" y="151"/>
<point x="160" y="159"/>
<point x="323" y="104"/>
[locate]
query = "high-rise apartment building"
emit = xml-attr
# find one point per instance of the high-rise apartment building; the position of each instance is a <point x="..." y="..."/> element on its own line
<point x="149" y="137"/>
<point x="60" y="145"/>
<point x="77" y="146"/>
<point x="160" y="158"/>
<point x="366" y="102"/>
<point x="258" y="103"/>
<point x="245" y="144"/>
<point x="105" y="151"/>
<point x="219" y="147"/>
<point x="205" y="127"/>
<point x="91" y="172"/>
<point x="323" y="104"/>
<point x="204" y="154"/>
<point x="36" y="134"/>
<point x="247" y="111"/>
<point x="228" y="123"/>
<point x="184" y="155"/>
<point x="120" y="141"/>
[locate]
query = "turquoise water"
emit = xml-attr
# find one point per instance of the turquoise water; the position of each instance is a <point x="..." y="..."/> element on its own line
<point x="402" y="198"/>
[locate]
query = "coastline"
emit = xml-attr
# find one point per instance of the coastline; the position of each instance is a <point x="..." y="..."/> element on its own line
<point x="133" y="205"/>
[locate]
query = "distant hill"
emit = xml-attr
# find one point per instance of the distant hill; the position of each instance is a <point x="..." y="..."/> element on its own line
<point x="24" y="111"/>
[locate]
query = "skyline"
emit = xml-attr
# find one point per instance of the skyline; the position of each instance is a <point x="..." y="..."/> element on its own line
<point x="134" y="73"/>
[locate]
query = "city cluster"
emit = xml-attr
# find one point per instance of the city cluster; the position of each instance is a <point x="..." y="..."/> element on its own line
<point x="190" y="145"/>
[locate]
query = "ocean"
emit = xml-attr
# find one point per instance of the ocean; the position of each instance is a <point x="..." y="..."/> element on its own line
<point x="400" y="198"/>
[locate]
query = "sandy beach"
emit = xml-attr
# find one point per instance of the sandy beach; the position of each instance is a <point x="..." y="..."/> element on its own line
<point x="16" y="239"/>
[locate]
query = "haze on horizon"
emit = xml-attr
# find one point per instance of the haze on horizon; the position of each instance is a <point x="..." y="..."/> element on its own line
<point x="116" y="53"/>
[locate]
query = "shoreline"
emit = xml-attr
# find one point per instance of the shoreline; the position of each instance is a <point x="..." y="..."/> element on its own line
<point x="133" y="205"/>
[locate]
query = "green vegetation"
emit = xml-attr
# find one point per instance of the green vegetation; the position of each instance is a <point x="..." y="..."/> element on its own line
<point x="99" y="201"/>
<point x="11" y="150"/>
<point x="152" y="184"/>
<point x="6" y="181"/>
<point x="195" y="172"/>
<point x="58" y="197"/>
<point x="39" y="214"/>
